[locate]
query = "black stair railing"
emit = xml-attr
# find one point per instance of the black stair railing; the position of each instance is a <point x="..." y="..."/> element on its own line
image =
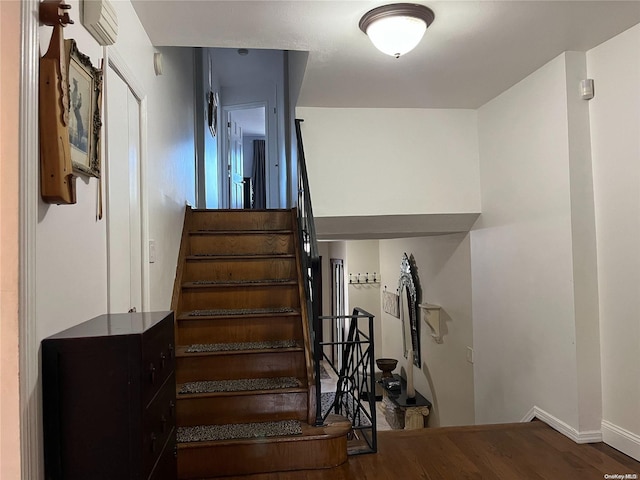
<point x="310" y="258"/>
<point x="354" y="393"/>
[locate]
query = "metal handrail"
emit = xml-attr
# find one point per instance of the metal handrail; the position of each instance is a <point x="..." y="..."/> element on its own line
<point x="310" y="258"/>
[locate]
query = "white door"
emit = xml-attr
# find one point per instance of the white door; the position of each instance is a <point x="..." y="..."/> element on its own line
<point x="123" y="196"/>
<point x="236" y="180"/>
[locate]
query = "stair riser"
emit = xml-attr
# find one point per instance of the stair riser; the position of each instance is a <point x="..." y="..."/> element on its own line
<point x="233" y="330"/>
<point x="241" y="220"/>
<point x="245" y="269"/>
<point x="243" y="459"/>
<point x="261" y="296"/>
<point x="241" y="244"/>
<point x="242" y="409"/>
<point x="230" y="367"/>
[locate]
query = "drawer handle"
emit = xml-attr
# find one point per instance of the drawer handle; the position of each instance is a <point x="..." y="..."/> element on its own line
<point x="163" y="422"/>
<point x="163" y="358"/>
<point x="172" y="406"/>
<point x="170" y="351"/>
<point x="152" y="373"/>
<point x="153" y="442"/>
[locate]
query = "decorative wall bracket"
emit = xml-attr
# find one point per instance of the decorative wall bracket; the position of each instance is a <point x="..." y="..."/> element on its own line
<point x="431" y="315"/>
<point x="57" y="181"/>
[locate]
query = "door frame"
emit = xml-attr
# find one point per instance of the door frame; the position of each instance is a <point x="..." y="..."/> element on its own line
<point x="117" y="64"/>
<point x="223" y="150"/>
<point x="338" y="307"/>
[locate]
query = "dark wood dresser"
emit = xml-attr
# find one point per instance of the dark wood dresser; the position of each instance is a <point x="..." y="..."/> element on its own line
<point x="109" y="397"/>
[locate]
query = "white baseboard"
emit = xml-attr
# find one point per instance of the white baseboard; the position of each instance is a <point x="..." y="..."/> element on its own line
<point x="589" y="436"/>
<point x="621" y="439"/>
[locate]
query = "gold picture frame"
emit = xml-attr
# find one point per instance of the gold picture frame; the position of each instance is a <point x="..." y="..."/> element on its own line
<point x="85" y="120"/>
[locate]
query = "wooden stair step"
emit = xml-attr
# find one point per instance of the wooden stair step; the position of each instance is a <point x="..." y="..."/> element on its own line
<point x="239" y="328"/>
<point x="242" y="406"/>
<point x="239" y="365"/>
<point x="241" y="220"/>
<point x="237" y="431"/>
<point x="258" y="267"/>
<point x="266" y="242"/>
<point x="314" y="448"/>
<point x="250" y="296"/>
<point x="238" y="385"/>
<point x="335" y="425"/>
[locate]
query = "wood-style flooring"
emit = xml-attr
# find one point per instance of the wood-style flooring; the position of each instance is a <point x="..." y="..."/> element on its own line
<point x="522" y="451"/>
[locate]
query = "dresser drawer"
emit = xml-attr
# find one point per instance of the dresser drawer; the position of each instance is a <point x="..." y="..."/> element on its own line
<point x="159" y="420"/>
<point x="158" y="358"/>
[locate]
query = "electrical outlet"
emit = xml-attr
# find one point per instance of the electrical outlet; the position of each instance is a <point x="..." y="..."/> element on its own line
<point x="469" y="354"/>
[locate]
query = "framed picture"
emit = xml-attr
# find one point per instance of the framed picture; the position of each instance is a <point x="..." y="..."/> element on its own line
<point x="212" y="112"/>
<point x="85" y="120"/>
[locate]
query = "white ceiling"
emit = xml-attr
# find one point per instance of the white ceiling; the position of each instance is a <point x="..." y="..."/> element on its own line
<point x="473" y="51"/>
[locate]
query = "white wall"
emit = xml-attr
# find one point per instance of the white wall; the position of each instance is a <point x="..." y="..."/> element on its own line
<point x="521" y="248"/>
<point x="369" y="161"/>
<point x="296" y="63"/>
<point x="363" y="257"/>
<point x="615" y="123"/>
<point x="584" y="255"/>
<point x="71" y="242"/>
<point x="71" y="264"/>
<point x="444" y="276"/>
<point x="533" y="250"/>
<point x="211" y="82"/>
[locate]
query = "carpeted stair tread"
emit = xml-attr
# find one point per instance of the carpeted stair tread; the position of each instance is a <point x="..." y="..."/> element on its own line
<point x="239" y="385"/>
<point x="239" y="311"/>
<point x="209" y="433"/>
<point x="239" y="232"/>
<point x="239" y="283"/>
<point x="231" y="347"/>
<point x="239" y="255"/>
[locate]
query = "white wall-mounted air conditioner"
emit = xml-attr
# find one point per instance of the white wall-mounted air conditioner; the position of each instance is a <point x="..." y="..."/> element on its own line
<point x="100" y="19"/>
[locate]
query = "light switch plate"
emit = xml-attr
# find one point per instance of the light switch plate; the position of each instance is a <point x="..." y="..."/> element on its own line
<point x="152" y="251"/>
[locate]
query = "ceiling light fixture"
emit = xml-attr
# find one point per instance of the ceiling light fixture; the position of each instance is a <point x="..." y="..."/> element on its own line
<point x="398" y="28"/>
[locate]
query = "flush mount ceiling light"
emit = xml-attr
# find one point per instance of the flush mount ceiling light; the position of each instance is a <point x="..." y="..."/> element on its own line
<point x="398" y="28"/>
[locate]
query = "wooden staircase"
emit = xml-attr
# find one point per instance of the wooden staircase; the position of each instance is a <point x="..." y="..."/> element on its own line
<point x="240" y="319"/>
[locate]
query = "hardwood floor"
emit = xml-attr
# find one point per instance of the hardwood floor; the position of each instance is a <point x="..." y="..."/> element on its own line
<point x="519" y="451"/>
